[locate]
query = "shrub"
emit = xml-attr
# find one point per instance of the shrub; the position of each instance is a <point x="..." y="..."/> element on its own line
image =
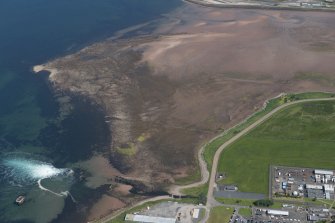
<point x="263" y="203"/>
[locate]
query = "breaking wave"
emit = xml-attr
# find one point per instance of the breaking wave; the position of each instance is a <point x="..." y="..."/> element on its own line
<point x="23" y="171"/>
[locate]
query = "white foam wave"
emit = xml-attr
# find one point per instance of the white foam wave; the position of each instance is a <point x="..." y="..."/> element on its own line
<point x="61" y="194"/>
<point x="31" y="168"/>
<point x="19" y="168"/>
<point x="27" y="171"/>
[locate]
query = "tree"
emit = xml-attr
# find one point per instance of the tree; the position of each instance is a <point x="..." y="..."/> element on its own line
<point x="202" y="198"/>
<point x="263" y="203"/>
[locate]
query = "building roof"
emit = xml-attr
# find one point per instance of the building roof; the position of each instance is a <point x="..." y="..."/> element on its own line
<point x="313" y="186"/>
<point x="313" y="217"/>
<point x="329" y="187"/>
<point x="278" y="212"/>
<point x="327" y="195"/>
<point x="148" y="219"/>
<point x="196" y="212"/>
<point x="230" y="187"/>
<point x="324" y="172"/>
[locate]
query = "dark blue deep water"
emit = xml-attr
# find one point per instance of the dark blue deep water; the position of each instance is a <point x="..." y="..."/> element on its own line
<point x="36" y="141"/>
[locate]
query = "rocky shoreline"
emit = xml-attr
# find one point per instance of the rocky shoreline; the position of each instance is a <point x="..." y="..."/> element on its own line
<point x="166" y="93"/>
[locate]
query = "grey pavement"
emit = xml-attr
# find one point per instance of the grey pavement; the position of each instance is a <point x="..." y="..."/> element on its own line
<point x="239" y="195"/>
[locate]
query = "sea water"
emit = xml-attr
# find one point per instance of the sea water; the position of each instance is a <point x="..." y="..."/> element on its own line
<point x="37" y="144"/>
<point x="42" y="184"/>
<point x="24" y="171"/>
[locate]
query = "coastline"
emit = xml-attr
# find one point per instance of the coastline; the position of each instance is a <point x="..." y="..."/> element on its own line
<point x="41" y="119"/>
<point x="53" y="72"/>
<point x="256" y="6"/>
<point x="43" y="67"/>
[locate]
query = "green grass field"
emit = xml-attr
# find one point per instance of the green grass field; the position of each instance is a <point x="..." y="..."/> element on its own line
<point x="220" y="214"/>
<point x="301" y="135"/>
<point x="245" y="212"/>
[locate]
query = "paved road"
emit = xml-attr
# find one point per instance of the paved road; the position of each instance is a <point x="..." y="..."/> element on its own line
<point x="210" y="199"/>
<point x="239" y="195"/>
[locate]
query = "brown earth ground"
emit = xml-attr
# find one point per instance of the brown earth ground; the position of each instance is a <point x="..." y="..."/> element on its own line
<point x="201" y="71"/>
<point x="104" y="206"/>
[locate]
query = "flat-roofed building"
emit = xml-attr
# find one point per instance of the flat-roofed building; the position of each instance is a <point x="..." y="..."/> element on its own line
<point x="324" y="172"/>
<point x="313" y="193"/>
<point x="196" y="212"/>
<point x="277" y="213"/>
<point x="331" y="196"/>
<point x="329" y="191"/>
<point x="329" y="187"/>
<point x="313" y="218"/>
<point x="314" y="187"/>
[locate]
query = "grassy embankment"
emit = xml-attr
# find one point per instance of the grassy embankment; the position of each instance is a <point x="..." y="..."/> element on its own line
<point x="213" y="146"/>
<point x="301" y="135"/>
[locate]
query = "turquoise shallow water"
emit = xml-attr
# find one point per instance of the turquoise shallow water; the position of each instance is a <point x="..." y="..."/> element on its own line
<point x="37" y="143"/>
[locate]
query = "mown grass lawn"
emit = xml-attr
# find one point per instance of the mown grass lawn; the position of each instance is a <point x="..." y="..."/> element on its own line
<point x="220" y="214"/>
<point x="245" y="212"/>
<point x="301" y="135"/>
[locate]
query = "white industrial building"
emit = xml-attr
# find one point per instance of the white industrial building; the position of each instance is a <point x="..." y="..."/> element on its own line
<point x="329" y="191"/>
<point x="196" y="213"/>
<point x="277" y="213"/>
<point x="324" y="172"/>
<point x="321" y="191"/>
<point x="329" y="187"/>
<point x="314" y="187"/>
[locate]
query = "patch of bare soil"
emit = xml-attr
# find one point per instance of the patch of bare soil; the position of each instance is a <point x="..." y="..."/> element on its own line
<point x="104" y="206"/>
<point x="100" y="171"/>
<point x="123" y="189"/>
<point x="201" y="71"/>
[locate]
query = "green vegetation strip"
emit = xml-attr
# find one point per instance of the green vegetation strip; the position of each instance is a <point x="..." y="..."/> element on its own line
<point x="300" y="135"/>
<point x="233" y="201"/>
<point x="246" y="202"/>
<point x="199" y="193"/>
